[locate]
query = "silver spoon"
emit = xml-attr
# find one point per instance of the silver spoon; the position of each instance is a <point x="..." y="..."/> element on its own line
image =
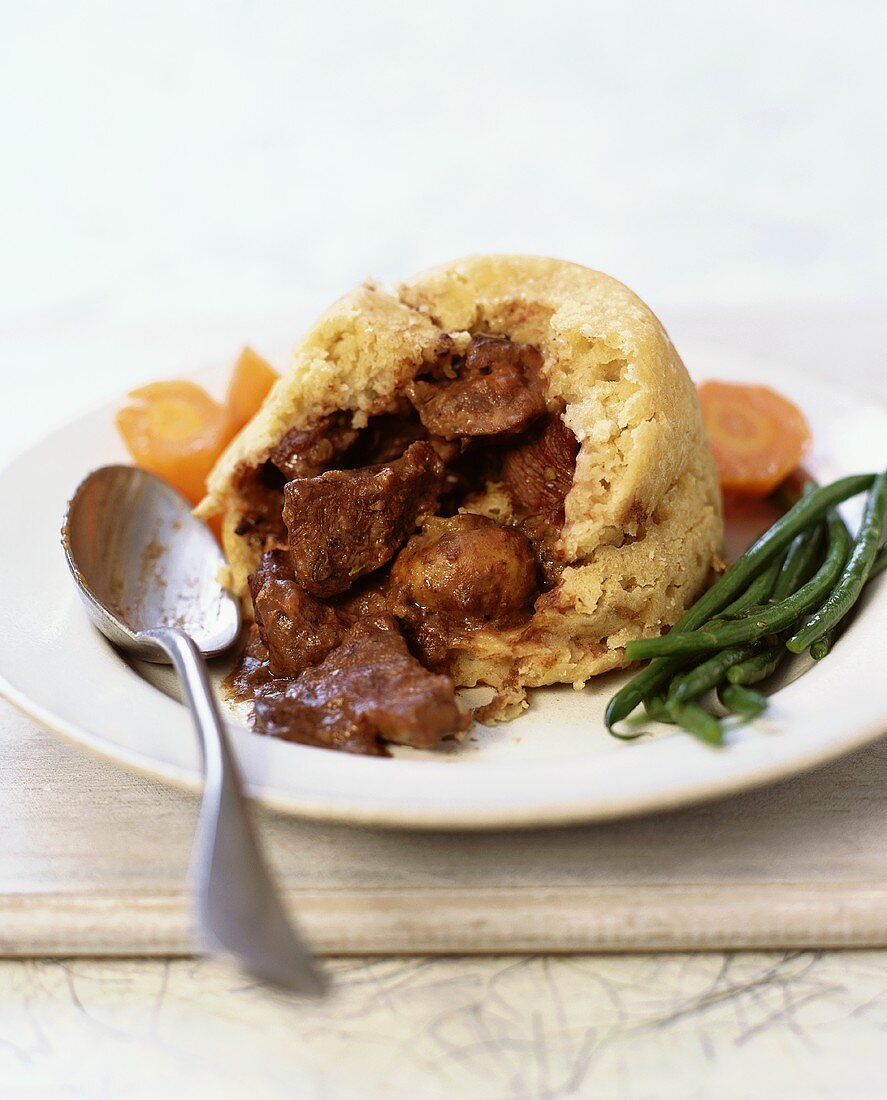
<point x="147" y="571"/>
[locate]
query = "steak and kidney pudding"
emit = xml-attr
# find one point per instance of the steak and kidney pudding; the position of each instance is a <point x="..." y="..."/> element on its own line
<point x="495" y="474"/>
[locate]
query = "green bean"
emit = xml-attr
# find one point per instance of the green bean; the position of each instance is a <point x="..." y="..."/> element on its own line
<point x="855" y="573"/>
<point x="769" y="620"/>
<point x="639" y="688"/>
<point x="656" y="709"/>
<point x="742" y="700"/>
<point x="647" y="684"/>
<point x="799" y="562"/>
<point x="823" y="646"/>
<point x="808" y="510"/>
<point x="758" y="592"/>
<point x="763" y="663"/>
<point x="709" y="674"/>
<point x="698" y="721"/>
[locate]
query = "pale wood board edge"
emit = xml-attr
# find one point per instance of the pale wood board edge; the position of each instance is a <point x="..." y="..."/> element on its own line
<point x="498" y="921"/>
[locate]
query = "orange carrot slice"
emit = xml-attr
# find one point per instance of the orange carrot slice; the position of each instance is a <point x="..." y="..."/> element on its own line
<point x="251" y="380"/>
<point x="758" y="437"/>
<point x="177" y="431"/>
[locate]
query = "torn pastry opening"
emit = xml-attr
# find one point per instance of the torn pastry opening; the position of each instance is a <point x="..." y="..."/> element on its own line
<point x="456" y="487"/>
<point x="387" y="548"/>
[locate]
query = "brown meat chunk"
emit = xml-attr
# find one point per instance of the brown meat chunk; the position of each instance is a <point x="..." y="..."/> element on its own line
<point x="369" y="690"/>
<point x="496" y="392"/>
<point x="466" y="568"/>
<point x="307" y="452"/>
<point x="538" y="473"/>
<point x="297" y="629"/>
<point x="275" y="565"/>
<point x="366" y="599"/>
<point x="346" y="523"/>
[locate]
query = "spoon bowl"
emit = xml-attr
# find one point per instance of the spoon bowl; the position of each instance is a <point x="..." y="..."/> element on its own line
<point x="141" y="561"/>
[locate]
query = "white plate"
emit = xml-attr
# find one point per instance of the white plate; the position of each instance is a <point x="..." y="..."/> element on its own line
<point x="555" y="764"/>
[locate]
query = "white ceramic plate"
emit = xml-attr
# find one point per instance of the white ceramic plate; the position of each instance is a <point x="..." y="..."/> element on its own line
<point x="555" y="764"/>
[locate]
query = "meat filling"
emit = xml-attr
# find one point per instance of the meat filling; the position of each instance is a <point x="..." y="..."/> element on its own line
<point x="347" y="523"/>
<point x="368" y="690"/>
<point x="497" y="391"/>
<point x="298" y="630"/>
<point x="261" y="518"/>
<point x="367" y="558"/>
<point x="459" y="574"/>
<point x="538" y="474"/>
<point x="468" y="568"/>
<point x="388" y="435"/>
<point x="307" y="452"/>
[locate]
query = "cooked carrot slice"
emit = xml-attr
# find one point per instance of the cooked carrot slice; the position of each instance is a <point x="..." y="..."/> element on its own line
<point x="758" y="437"/>
<point x="251" y="380"/>
<point x="177" y="431"/>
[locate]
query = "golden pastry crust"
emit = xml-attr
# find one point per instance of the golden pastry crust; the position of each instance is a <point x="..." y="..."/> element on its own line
<point x="643" y="517"/>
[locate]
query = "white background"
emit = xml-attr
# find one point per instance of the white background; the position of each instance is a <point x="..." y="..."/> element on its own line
<point x="179" y="178"/>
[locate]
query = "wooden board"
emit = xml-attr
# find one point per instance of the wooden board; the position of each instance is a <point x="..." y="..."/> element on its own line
<point x="94" y="863"/>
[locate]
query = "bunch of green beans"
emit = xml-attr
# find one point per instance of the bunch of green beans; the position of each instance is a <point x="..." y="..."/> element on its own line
<point x="789" y="592"/>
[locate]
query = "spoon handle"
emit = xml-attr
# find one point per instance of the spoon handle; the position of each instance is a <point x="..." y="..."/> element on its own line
<point x="238" y="908"/>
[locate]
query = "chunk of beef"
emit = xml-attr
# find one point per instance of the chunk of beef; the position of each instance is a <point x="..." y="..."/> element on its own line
<point x="538" y="473"/>
<point x="307" y="452"/>
<point x="346" y="523"/>
<point x="497" y="391"/>
<point x="366" y="599"/>
<point x="275" y="565"/>
<point x="466" y="569"/>
<point x="369" y="690"/>
<point x="297" y="629"/>
<point x="488" y="353"/>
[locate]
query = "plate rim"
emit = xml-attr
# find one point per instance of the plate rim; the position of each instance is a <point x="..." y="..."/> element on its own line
<point x="417" y="817"/>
